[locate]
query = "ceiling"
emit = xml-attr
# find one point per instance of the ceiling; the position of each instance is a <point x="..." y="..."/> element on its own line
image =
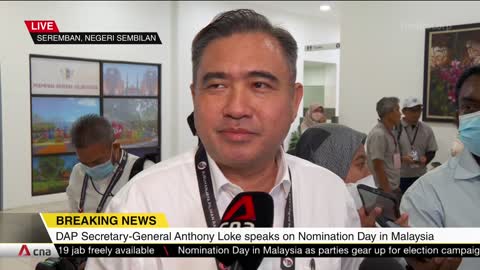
<point x="304" y="8"/>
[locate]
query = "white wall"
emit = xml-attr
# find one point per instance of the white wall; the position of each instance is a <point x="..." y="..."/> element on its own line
<point x="325" y="56"/>
<point x="331" y="85"/>
<point x="383" y="55"/>
<point x="314" y="75"/>
<point x="325" y="75"/>
<point x="332" y="92"/>
<point x="16" y="45"/>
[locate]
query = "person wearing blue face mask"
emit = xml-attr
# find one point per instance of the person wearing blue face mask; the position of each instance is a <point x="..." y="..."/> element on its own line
<point x="448" y="195"/>
<point x="104" y="167"/>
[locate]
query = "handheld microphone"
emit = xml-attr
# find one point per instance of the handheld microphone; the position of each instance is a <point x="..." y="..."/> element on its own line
<point x="247" y="210"/>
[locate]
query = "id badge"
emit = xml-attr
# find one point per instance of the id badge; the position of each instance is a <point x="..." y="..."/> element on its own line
<point x="414" y="155"/>
<point x="397" y="164"/>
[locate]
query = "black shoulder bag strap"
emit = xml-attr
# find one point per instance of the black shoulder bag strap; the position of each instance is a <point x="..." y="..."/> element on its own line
<point x="209" y="204"/>
<point x="116" y="176"/>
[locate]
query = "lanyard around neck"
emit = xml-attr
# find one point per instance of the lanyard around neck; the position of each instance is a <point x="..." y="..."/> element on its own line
<point x="209" y="204"/>
<point x="393" y="137"/>
<point x="116" y="176"/>
<point x="414" y="136"/>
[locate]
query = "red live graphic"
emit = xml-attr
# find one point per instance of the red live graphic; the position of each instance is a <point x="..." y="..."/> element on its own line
<point x="42" y="26"/>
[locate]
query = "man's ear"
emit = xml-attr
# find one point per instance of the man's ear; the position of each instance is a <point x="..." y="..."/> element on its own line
<point x="116" y="153"/>
<point x="192" y="90"/>
<point x="297" y="98"/>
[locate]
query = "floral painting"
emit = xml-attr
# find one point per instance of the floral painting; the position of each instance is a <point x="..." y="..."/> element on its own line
<point x="50" y="173"/>
<point x="134" y="121"/>
<point x="52" y="118"/>
<point x="448" y="52"/>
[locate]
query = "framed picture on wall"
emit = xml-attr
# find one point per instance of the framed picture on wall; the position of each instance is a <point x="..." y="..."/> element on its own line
<point x="134" y="120"/>
<point x="127" y="79"/>
<point x="50" y="174"/>
<point x="448" y="52"/>
<point x="52" y="118"/>
<point x="61" y="76"/>
<point x="63" y="89"/>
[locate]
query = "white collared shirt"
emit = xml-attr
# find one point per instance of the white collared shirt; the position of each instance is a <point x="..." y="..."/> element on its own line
<point x="225" y="190"/>
<point x="95" y="189"/>
<point x="320" y="199"/>
<point x="447" y="197"/>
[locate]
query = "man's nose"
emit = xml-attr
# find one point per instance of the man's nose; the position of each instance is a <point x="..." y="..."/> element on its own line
<point x="238" y="104"/>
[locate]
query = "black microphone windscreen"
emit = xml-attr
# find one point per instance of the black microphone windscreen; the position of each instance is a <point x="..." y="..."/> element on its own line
<point x="380" y="264"/>
<point x="247" y="209"/>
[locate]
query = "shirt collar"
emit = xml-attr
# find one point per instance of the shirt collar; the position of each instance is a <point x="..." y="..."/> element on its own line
<point x="405" y="124"/>
<point x="382" y="125"/>
<point x="221" y="182"/>
<point x="467" y="167"/>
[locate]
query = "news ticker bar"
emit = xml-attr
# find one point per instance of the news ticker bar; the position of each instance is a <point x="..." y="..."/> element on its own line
<point x="270" y="250"/>
<point x="99" y="38"/>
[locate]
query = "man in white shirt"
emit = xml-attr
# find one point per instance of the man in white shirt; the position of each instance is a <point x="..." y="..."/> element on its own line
<point x="245" y="99"/>
<point x="103" y="164"/>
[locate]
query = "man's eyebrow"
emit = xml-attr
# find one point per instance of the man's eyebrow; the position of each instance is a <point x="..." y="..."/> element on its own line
<point x="263" y="74"/>
<point x="213" y="75"/>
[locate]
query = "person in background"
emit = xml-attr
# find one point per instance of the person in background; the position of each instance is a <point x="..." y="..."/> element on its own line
<point x="417" y="143"/>
<point x="383" y="150"/>
<point x="103" y="165"/>
<point x="449" y="195"/>
<point x="315" y="115"/>
<point x="341" y="150"/>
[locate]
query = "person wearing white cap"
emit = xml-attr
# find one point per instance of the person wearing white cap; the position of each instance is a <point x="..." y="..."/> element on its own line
<point x="417" y="143"/>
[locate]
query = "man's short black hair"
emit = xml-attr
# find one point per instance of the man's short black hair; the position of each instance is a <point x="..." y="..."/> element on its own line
<point x="91" y="129"/>
<point x="243" y="21"/>
<point x="472" y="71"/>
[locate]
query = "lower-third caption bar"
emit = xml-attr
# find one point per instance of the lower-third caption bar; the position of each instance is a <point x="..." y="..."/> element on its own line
<point x="268" y="250"/>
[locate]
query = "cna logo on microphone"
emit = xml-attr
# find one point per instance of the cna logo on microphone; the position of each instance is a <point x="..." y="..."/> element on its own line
<point x="47" y="32"/>
<point x="241" y="214"/>
<point x="249" y="209"/>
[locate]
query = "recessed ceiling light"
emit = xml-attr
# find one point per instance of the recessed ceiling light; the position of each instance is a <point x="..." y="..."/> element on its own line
<point x="325" y="8"/>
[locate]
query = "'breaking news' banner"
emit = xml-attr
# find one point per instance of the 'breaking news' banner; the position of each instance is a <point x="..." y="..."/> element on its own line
<point x="148" y="235"/>
<point x="47" y="32"/>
